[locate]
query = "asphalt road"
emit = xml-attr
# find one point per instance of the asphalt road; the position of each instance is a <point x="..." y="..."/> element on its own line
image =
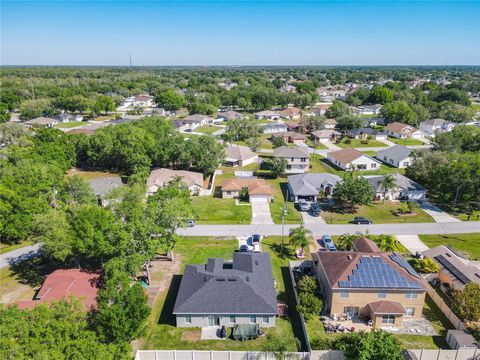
<point x="317" y="230"/>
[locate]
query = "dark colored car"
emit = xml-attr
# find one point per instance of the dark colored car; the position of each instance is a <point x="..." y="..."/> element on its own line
<point x="315" y="210"/>
<point x="360" y="220"/>
<point x="190" y="223"/>
<point x="256" y="238"/>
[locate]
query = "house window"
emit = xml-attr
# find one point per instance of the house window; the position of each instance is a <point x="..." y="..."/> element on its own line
<point x="188" y="319"/>
<point x="232" y="320"/>
<point x="388" y="319"/>
<point x="410" y="311"/>
<point x="303" y="159"/>
<point x="384" y="158"/>
<point x="382" y="294"/>
<point x="362" y="166"/>
<point x="265" y="319"/>
<point x="253" y="319"/>
<point x="410" y="295"/>
<point x="292" y="159"/>
<point x="373" y="166"/>
<point x="289" y="167"/>
<point x="406" y="163"/>
<point x="228" y="192"/>
<point x="344" y="293"/>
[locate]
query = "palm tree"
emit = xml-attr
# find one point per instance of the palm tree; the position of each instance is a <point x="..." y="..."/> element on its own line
<point x="388" y="183"/>
<point x="300" y="237"/>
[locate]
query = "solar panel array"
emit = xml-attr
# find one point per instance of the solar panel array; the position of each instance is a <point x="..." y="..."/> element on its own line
<point x="374" y="272"/>
<point x="403" y="263"/>
<point x="450" y="267"/>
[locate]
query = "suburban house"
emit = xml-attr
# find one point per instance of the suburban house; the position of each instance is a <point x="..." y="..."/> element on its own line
<point x="455" y="270"/>
<point x="64" y="283"/>
<point x="326" y="135"/>
<point x="291" y="137"/>
<point x="258" y="189"/>
<point x="200" y="119"/>
<point x="291" y="113"/>
<point x="102" y="186"/>
<point x="320" y="109"/>
<point x="330" y="123"/>
<point x="366" y="133"/>
<point x="367" y="109"/>
<point x="402" y="131"/>
<point x="64" y="117"/>
<point x="369" y="284"/>
<point x="404" y="189"/>
<point x="350" y="159"/>
<point x="308" y="186"/>
<point x="274" y="128"/>
<point x="435" y="126"/>
<point x="221" y="293"/>
<point x="397" y="155"/>
<point x="298" y="158"/>
<point x="160" y="177"/>
<point x="41" y="122"/>
<point x="237" y="155"/>
<point x="230" y="115"/>
<point x="267" y="114"/>
<point x="144" y="100"/>
<point x="294" y="125"/>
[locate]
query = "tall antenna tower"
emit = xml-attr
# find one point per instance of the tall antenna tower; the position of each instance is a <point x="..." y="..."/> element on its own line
<point x="130" y="55"/>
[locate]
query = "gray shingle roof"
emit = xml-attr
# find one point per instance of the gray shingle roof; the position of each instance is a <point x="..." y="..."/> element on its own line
<point x="396" y="152"/>
<point x="103" y="185"/>
<point x="291" y="152"/>
<point x="310" y="184"/>
<point x="245" y="286"/>
<point x="402" y="182"/>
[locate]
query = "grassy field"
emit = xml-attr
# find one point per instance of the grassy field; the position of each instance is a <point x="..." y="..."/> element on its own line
<point x="468" y="243"/>
<point x="379" y="213"/>
<point x="72" y="124"/>
<point x="474" y="216"/>
<point x="405" y="142"/>
<point x="208" y="129"/>
<point x="318" y="146"/>
<point x="358" y="143"/>
<point x="279" y="187"/>
<point x="4" y="248"/>
<point x="221" y="211"/>
<point x="162" y="333"/>
<point x="90" y="175"/>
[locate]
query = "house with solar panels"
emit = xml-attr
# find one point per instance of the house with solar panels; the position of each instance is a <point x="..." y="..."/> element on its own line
<point x="369" y="284"/>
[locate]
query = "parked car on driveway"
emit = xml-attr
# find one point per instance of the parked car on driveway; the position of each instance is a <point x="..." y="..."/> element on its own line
<point x="360" y="220"/>
<point x="315" y="209"/>
<point x="302" y="205"/>
<point x="190" y="223"/>
<point x="327" y="243"/>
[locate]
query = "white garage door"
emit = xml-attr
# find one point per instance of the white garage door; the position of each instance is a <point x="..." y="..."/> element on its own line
<point x="258" y="199"/>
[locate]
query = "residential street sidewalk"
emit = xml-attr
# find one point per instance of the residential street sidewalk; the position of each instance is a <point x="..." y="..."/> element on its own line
<point x="412" y="243"/>
<point x="13" y="255"/>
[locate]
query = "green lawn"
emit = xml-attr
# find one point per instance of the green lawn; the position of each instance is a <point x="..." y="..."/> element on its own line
<point x="207" y="129"/>
<point x="379" y="213"/>
<point x="474" y="216"/>
<point x="4" y="248"/>
<point x="468" y="243"/>
<point x="72" y="124"/>
<point x="265" y="143"/>
<point x="369" y="153"/>
<point x="405" y="142"/>
<point x="161" y="331"/>
<point x="318" y="146"/>
<point x="358" y="143"/>
<point x="279" y="187"/>
<point x="220" y="211"/>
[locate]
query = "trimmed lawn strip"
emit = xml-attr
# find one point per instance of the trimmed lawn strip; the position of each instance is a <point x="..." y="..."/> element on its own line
<point x="318" y="146"/>
<point x="4" y="248"/>
<point x="220" y="211"/>
<point x="207" y="129"/>
<point x="162" y="333"/>
<point x="358" y="143"/>
<point x="406" y="142"/>
<point x="468" y="243"/>
<point x="72" y="124"/>
<point x="279" y="187"/>
<point x="379" y="213"/>
<point x="474" y="216"/>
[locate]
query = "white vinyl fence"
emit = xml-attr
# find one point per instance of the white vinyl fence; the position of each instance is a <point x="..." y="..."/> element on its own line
<point x="212" y="355"/>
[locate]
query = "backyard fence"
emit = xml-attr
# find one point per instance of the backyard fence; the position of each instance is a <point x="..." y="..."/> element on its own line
<point x="214" y="355"/>
<point x="208" y="192"/>
<point x="292" y="264"/>
<point x="460" y="354"/>
<point x="446" y="310"/>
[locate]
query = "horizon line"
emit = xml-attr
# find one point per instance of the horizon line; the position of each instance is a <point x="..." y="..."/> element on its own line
<point x="241" y="65"/>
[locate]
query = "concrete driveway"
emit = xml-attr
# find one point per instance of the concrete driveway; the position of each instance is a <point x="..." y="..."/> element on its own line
<point x="261" y="213"/>
<point x="412" y="243"/>
<point x="309" y="219"/>
<point x="437" y="214"/>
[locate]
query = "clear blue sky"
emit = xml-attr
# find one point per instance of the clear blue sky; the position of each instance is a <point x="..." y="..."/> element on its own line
<point x="240" y="33"/>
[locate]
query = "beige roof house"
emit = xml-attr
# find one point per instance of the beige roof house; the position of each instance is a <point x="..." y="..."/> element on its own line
<point x="237" y="155"/>
<point x="349" y="159"/>
<point x="400" y="130"/>
<point x="41" y="122"/>
<point x="160" y="177"/>
<point x="258" y="189"/>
